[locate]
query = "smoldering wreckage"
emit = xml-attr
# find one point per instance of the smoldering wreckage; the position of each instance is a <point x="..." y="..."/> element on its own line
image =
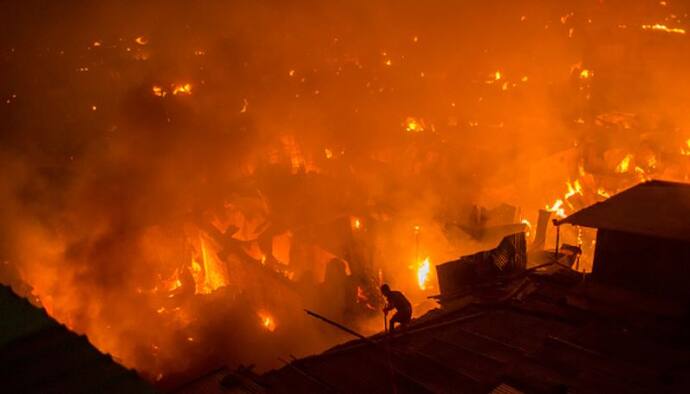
<point x="512" y="319"/>
<point x="213" y="206"/>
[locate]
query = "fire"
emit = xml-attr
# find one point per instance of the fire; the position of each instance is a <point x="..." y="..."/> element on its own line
<point x="663" y="28"/>
<point x="209" y="274"/>
<point x="413" y="125"/>
<point x="363" y="299"/>
<point x="176" y="284"/>
<point x="355" y="223"/>
<point x="586" y="74"/>
<point x="301" y="145"/>
<point x="182" y="89"/>
<point x="158" y="91"/>
<point x="603" y="193"/>
<point x="573" y="188"/>
<point x="685" y="151"/>
<point x="528" y="227"/>
<point x="557" y="208"/>
<point x="624" y="164"/>
<point x="267" y="321"/>
<point x="423" y="271"/>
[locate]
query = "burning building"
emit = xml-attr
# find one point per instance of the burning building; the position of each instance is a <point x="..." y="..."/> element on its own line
<point x="510" y="327"/>
<point x="182" y="179"/>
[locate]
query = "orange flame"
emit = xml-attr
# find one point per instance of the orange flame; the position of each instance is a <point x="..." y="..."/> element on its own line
<point x="624" y="165"/>
<point x="158" y="91"/>
<point x="413" y="125"/>
<point x="423" y="271"/>
<point x="267" y="321"/>
<point x="182" y="89"/>
<point x="355" y="223"/>
<point x="209" y="274"/>
<point x="663" y="28"/>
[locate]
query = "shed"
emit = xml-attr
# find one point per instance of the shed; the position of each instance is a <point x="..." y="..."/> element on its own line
<point x="643" y="238"/>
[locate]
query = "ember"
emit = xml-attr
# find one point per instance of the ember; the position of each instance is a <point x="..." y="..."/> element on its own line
<point x="267" y="321"/>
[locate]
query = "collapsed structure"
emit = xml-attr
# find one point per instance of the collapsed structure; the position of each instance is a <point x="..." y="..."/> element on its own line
<point x="507" y="325"/>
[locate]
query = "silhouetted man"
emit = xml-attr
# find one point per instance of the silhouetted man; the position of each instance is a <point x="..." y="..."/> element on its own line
<point x="396" y="300"/>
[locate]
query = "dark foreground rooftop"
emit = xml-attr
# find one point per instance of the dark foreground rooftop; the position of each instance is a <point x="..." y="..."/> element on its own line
<point x="548" y="330"/>
<point x="39" y="355"/>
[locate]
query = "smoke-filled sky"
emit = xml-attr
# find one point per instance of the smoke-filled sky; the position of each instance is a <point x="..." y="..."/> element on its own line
<point x="124" y="123"/>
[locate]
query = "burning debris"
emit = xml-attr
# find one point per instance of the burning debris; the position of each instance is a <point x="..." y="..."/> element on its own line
<point x="176" y="194"/>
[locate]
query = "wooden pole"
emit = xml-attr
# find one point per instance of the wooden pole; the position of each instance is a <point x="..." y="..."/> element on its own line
<point x="337" y="325"/>
<point x="558" y="237"/>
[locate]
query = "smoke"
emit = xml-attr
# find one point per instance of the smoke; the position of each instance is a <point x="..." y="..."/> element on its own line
<point x="301" y="114"/>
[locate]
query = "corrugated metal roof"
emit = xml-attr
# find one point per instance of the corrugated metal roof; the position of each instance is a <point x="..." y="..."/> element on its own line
<point x="39" y="355"/>
<point x="655" y="208"/>
<point x="556" y="335"/>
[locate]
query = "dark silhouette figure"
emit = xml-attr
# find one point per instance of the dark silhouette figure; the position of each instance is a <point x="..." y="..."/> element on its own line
<point x="396" y="300"/>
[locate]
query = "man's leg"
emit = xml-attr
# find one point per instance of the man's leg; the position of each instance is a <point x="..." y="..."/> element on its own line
<point x="395" y="319"/>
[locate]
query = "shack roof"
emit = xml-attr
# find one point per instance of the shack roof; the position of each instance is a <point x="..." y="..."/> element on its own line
<point x="551" y="333"/>
<point x="655" y="208"/>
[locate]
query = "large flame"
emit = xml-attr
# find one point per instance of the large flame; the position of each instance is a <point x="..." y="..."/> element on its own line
<point x="423" y="270"/>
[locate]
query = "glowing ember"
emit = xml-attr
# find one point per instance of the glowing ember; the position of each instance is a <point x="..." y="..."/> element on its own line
<point x="355" y="223"/>
<point x="663" y="28"/>
<point x="141" y="40"/>
<point x="413" y="125"/>
<point x="182" y="89"/>
<point x="603" y="193"/>
<point x="158" y="91"/>
<point x="586" y="74"/>
<point x="267" y="321"/>
<point x="423" y="271"/>
<point x="528" y="227"/>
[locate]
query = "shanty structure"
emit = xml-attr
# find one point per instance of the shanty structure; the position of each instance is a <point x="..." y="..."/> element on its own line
<point x="546" y="331"/>
<point x="529" y="328"/>
<point x="643" y="239"/>
<point x="39" y="355"/>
